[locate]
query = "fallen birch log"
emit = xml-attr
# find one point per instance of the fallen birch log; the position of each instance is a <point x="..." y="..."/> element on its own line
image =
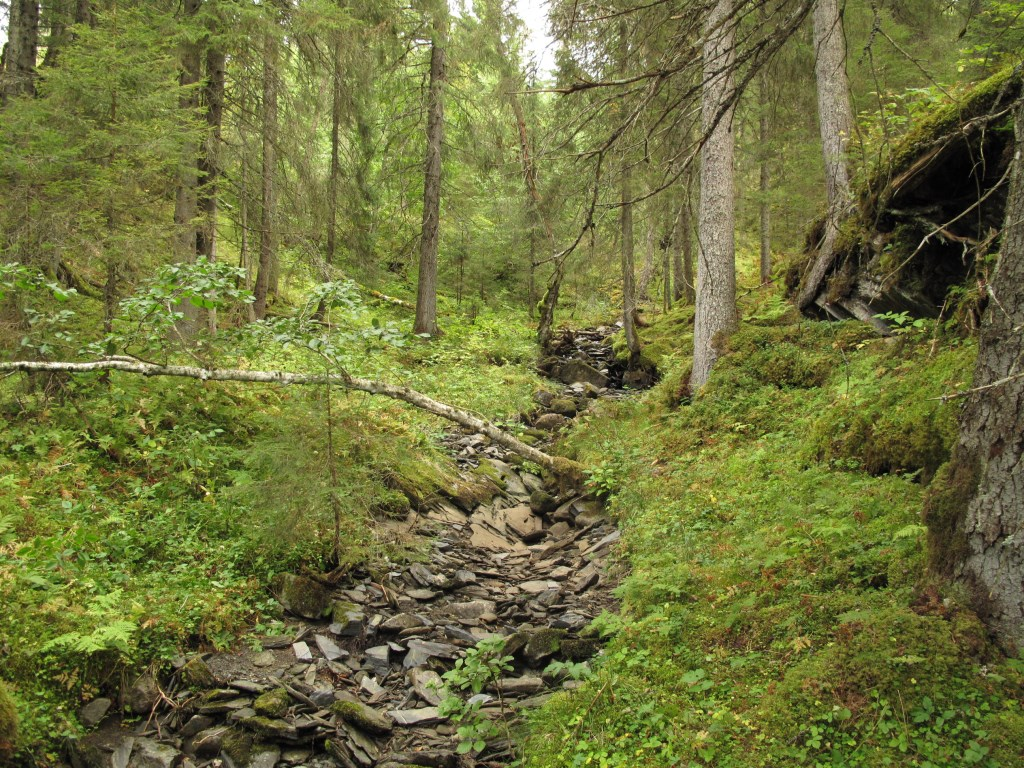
<point x="560" y="466"/>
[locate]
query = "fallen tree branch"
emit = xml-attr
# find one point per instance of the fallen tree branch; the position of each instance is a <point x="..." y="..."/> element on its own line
<point x="560" y="466"/>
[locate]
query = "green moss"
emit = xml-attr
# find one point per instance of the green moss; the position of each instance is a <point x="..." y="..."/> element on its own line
<point x="237" y="745"/>
<point x="268" y="727"/>
<point x="945" y="509"/>
<point x="273" y="703"/>
<point x="1001" y="87"/>
<point x="389" y="503"/>
<point x="196" y="674"/>
<point x="8" y="724"/>
<point x="362" y="716"/>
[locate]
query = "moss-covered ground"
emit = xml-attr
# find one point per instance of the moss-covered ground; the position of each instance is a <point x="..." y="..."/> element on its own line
<point x="777" y="610"/>
<point x="140" y="518"/>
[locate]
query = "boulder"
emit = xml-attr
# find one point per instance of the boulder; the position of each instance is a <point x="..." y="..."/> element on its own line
<point x="564" y="406"/>
<point x="143" y="695"/>
<point x="301" y="596"/>
<point x="551" y="422"/>
<point x="89" y="716"/>
<point x="577" y="370"/>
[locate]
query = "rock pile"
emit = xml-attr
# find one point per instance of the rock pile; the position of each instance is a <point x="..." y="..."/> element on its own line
<point x="354" y="681"/>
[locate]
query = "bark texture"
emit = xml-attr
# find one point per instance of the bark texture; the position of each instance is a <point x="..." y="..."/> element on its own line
<point x="209" y="158"/>
<point x="185" y="204"/>
<point x="268" y="242"/>
<point x="426" y="292"/>
<point x="560" y="466"/>
<point x="19" y="70"/>
<point x="716" y="315"/>
<point x="628" y="278"/>
<point x="985" y="536"/>
<point x="835" y="121"/>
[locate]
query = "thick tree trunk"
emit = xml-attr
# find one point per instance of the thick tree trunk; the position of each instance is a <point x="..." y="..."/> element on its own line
<point x="268" y="237"/>
<point x="337" y="100"/>
<point x="560" y="466"/>
<point x="209" y="159"/>
<point x="716" y="315"/>
<point x="835" y="121"/>
<point x="426" y="293"/>
<point x="628" y="279"/>
<point x="18" y="77"/>
<point x="185" y="206"/>
<point x="975" y="505"/>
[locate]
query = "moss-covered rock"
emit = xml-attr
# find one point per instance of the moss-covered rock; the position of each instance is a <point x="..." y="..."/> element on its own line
<point x="301" y="596"/>
<point x="197" y="675"/>
<point x="563" y="406"/>
<point x="581" y="649"/>
<point x="8" y="724"/>
<point x="270" y="728"/>
<point x="273" y="703"/>
<point x="237" y="745"/>
<point x="543" y="644"/>
<point x="363" y="717"/>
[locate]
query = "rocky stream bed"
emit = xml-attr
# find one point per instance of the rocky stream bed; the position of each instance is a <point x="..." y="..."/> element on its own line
<point x="354" y="681"/>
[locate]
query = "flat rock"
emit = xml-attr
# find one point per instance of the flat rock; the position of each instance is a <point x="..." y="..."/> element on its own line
<point x="378" y="658"/>
<point x="522" y="521"/>
<point x="329" y="648"/>
<point x="263" y="659"/>
<point x="421" y="651"/>
<point x="414" y="717"/>
<point x="404" y="621"/>
<point x="421" y="595"/>
<point x="536" y="587"/>
<point x="424" y="759"/>
<point x="473" y="609"/>
<point x="151" y="754"/>
<point x="424" y="576"/>
<point x="427" y="684"/>
<point x="302" y="652"/>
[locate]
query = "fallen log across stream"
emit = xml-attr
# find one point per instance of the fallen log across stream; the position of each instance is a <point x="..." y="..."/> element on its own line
<point x="564" y="468"/>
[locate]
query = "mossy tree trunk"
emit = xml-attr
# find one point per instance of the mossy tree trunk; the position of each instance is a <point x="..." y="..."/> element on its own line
<point x="975" y="508"/>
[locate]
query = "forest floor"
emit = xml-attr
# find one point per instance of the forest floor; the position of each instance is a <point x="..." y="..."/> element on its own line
<point x="771" y="603"/>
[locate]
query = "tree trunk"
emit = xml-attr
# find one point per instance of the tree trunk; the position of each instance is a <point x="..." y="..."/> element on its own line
<point x="716" y="315"/>
<point x="647" y="271"/>
<point x="628" y="280"/>
<point x="209" y="159"/>
<point x="426" y="293"/>
<point x="547" y="304"/>
<point x="19" y="57"/>
<point x="835" y="121"/>
<point x="975" y="504"/>
<point x="337" y="96"/>
<point x="268" y="239"/>
<point x="185" y="207"/>
<point x="764" y="130"/>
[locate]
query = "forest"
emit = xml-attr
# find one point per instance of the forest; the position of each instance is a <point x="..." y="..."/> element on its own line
<point x="491" y="383"/>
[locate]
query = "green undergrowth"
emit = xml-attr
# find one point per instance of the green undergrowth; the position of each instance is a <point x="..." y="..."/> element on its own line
<point x="777" y="611"/>
<point x="143" y="517"/>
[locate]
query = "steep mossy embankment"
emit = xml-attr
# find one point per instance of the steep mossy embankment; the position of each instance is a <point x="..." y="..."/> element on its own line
<point x="778" y="611"/>
<point x="926" y="216"/>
